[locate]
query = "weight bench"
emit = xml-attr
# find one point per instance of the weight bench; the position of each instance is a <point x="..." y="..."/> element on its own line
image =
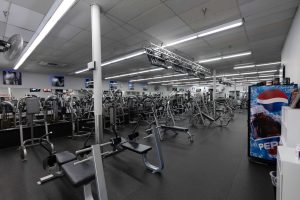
<point x="178" y="128"/>
<point x="61" y="159"/>
<point x="143" y="150"/>
<point x="136" y="147"/>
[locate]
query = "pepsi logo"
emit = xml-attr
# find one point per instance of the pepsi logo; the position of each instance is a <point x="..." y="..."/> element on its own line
<point x="272" y="100"/>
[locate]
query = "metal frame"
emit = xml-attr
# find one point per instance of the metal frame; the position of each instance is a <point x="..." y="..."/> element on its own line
<point x="162" y="57"/>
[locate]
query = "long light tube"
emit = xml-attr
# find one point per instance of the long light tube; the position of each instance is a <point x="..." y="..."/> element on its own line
<point x="225" y="57"/>
<point x="81" y="71"/>
<point x="134" y="73"/>
<point x="158" y="77"/>
<point x="46" y="26"/>
<point x="258" y="65"/>
<point x="176" y="80"/>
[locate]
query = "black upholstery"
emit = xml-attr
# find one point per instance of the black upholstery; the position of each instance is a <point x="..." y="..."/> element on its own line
<point x="64" y="157"/>
<point x="136" y="147"/>
<point x="175" y="128"/>
<point x="79" y="174"/>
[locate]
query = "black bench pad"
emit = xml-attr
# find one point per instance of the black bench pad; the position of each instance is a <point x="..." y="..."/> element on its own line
<point x="136" y="147"/>
<point x="64" y="157"/>
<point x="175" y="128"/>
<point x="79" y="174"/>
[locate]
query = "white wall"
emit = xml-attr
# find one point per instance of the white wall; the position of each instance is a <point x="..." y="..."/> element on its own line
<point x="290" y="55"/>
<point x="42" y="81"/>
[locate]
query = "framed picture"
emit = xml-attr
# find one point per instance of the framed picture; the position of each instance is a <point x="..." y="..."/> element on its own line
<point x="58" y="81"/>
<point x="12" y="77"/>
<point x="34" y="90"/>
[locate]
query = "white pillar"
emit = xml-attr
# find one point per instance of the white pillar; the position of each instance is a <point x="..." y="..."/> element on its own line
<point x="97" y="76"/>
<point x="234" y="89"/>
<point x="97" y="73"/>
<point x="214" y="85"/>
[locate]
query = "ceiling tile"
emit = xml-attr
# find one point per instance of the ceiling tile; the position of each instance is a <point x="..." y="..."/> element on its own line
<point x="118" y="34"/>
<point x="2" y="29"/>
<point x="107" y="24"/>
<point x="106" y="5"/>
<point x="151" y="17"/>
<point x="217" y="12"/>
<point x="24" y="18"/>
<point x="79" y="15"/>
<point x="169" y="30"/>
<point x="11" y="30"/>
<point x="64" y="31"/>
<point x="257" y="7"/>
<point x="179" y="7"/>
<point x="129" y="9"/>
<point x="40" y="6"/>
<point x="84" y="37"/>
<point x="53" y="42"/>
<point x="269" y="31"/>
<point x="3" y="8"/>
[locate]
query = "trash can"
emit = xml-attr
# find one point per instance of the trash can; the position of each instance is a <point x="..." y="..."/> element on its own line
<point x="273" y="176"/>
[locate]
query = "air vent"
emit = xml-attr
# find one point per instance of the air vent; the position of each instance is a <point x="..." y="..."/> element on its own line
<point x="51" y="64"/>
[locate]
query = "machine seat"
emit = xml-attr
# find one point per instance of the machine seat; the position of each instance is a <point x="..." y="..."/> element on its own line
<point x="64" y="157"/>
<point x="175" y="128"/>
<point x="80" y="174"/>
<point x="136" y="147"/>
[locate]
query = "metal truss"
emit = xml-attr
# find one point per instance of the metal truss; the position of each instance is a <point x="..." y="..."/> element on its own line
<point x="162" y="57"/>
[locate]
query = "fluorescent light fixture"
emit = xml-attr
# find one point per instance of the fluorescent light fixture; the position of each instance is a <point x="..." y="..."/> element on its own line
<point x="259" y="65"/>
<point x="176" y="80"/>
<point x="158" y="77"/>
<point x="181" y="41"/>
<point x="134" y="73"/>
<point x="123" y="58"/>
<point x="210" y="31"/>
<point x="169" y="67"/>
<point x="223" y="27"/>
<point x="270" y="71"/>
<point x="248" y="73"/>
<point x="225" y="57"/>
<point x="56" y="12"/>
<point x="210" y="60"/>
<point x="238" y="55"/>
<point x="265" y="76"/>
<point x="266" y="64"/>
<point x="244" y="67"/>
<point x="81" y="71"/>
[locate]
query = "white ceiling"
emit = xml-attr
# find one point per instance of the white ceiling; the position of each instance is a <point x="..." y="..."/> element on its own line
<point x="126" y="25"/>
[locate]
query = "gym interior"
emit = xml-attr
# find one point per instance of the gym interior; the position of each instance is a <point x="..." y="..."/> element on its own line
<point x="149" y="99"/>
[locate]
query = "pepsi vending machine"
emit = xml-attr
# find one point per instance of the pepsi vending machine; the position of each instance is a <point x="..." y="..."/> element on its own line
<point x="264" y="120"/>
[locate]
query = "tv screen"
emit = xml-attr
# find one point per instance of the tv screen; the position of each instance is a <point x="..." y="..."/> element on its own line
<point x="58" y="81"/>
<point x="35" y="90"/>
<point x="12" y="77"/>
<point x="89" y="83"/>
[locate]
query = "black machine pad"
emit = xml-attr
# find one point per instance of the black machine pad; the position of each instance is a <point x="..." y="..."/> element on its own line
<point x="79" y="174"/>
<point x="175" y="128"/>
<point x="64" y="157"/>
<point x="136" y="147"/>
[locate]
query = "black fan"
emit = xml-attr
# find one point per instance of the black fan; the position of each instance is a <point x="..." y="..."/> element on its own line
<point x="12" y="48"/>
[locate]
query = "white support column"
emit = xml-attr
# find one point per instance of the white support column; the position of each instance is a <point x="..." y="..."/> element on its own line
<point x="235" y="89"/>
<point x="214" y="91"/>
<point x="214" y="85"/>
<point x="97" y="73"/>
